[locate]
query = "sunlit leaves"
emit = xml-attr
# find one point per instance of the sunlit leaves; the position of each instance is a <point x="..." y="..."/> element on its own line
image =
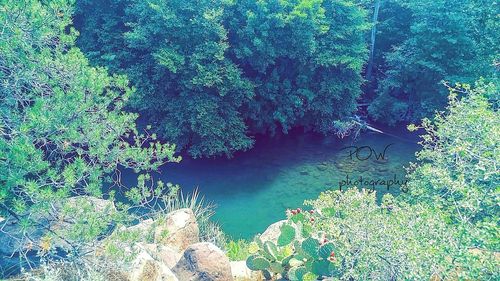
<point x="64" y="132"/>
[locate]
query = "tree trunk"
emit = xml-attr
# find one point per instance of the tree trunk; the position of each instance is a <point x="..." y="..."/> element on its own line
<point x="373" y="34"/>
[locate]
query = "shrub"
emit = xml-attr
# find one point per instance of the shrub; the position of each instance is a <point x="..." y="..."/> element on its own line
<point x="237" y="250"/>
<point x="348" y="236"/>
<point x="446" y="229"/>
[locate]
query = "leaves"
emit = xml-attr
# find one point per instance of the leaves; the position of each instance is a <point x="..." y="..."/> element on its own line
<point x="326" y="250"/>
<point x="310" y="246"/>
<point x="257" y="263"/>
<point x="287" y="235"/>
<point x="67" y="132"/>
<point x="214" y="73"/>
<point x="463" y="48"/>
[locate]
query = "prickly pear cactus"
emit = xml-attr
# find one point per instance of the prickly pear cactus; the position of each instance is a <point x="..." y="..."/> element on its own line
<point x="299" y="254"/>
<point x="287" y="235"/>
<point x="257" y="263"/>
<point x="310" y="246"/>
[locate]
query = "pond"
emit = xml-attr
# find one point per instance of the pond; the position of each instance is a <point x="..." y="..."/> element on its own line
<point x="254" y="188"/>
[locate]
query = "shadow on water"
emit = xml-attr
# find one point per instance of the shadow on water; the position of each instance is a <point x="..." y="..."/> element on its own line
<point x="254" y="188"/>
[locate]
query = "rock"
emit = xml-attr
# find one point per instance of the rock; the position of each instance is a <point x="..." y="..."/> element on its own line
<point x="239" y="269"/>
<point x="178" y="230"/>
<point x="164" y="254"/>
<point x="322" y="167"/>
<point x="382" y="169"/>
<point x="381" y="160"/>
<point x="203" y="262"/>
<point x="241" y="272"/>
<point x="100" y="205"/>
<point x="304" y="173"/>
<point x="143" y="226"/>
<point x="272" y="232"/>
<point x="145" y="268"/>
<point x="14" y="238"/>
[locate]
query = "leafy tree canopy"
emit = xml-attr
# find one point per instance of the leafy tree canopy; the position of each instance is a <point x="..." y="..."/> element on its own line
<point x="211" y="74"/>
<point x="451" y="40"/>
<point x="63" y="131"/>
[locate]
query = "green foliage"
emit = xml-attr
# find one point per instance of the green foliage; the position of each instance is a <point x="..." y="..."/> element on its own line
<point x="297" y="257"/>
<point x="352" y="237"/>
<point x="212" y="73"/>
<point x="425" y="42"/>
<point x="304" y="57"/>
<point x="458" y="169"/>
<point x="194" y="91"/>
<point x="245" y="67"/>
<point x="446" y="227"/>
<point x="63" y="133"/>
<point x="237" y="250"/>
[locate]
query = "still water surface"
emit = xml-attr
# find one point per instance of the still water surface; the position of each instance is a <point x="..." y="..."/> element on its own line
<point x="253" y="189"/>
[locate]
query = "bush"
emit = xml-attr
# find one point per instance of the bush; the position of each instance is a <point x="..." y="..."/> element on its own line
<point x="64" y="136"/>
<point x="446" y="229"/>
<point x="348" y="236"/>
<point x="237" y="250"/>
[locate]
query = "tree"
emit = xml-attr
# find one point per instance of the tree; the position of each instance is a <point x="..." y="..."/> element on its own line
<point x="63" y="133"/>
<point x="212" y="74"/>
<point x="458" y="169"/>
<point x="101" y="27"/>
<point x="193" y="90"/>
<point x="446" y="229"/>
<point x="452" y="40"/>
<point x="304" y="57"/>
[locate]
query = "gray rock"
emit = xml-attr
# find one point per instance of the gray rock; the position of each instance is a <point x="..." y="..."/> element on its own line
<point x="272" y="232"/>
<point x="241" y="272"/>
<point x="178" y="230"/>
<point x="322" y="167"/>
<point x="164" y="254"/>
<point x="203" y="262"/>
<point x="145" y="268"/>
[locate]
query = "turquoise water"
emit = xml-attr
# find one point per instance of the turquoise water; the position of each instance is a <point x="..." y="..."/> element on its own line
<point x="253" y="189"/>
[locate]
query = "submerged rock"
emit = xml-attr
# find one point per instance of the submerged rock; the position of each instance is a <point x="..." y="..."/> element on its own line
<point x="322" y="167"/>
<point x="178" y="230"/>
<point x="203" y="262"/>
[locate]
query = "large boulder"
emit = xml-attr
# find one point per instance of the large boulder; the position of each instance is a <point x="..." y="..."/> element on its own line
<point x="241" y="272"/>
<point x="164" y="254"/>
<point x="177" y="230"/>
<point x="272" y="232"/>
<point x="145" y="268"/>
<point x="203" y="262"/>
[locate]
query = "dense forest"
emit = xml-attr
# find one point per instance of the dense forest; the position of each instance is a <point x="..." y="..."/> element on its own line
<point x="91" y="88"/>
<point x="210" y="75"/>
